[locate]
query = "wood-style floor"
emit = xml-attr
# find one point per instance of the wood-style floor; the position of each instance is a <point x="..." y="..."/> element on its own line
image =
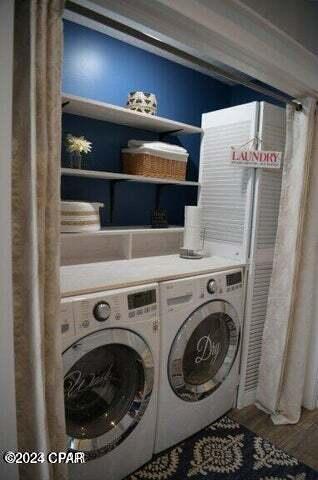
<point x="300" y="440"/>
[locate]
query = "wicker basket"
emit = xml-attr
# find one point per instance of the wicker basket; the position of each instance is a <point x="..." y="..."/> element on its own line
<point x="148" y="165"/>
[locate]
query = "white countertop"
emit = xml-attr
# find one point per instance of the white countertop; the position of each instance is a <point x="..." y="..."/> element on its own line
<point x="92" y="277"/>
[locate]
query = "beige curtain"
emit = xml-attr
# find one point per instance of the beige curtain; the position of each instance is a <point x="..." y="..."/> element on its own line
<point x="36" y="191"/>
<point x="293" y="289"/>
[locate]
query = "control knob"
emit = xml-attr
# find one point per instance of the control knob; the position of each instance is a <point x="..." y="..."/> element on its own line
<point x="211" y="286"/>
<point x="101" y="311"/>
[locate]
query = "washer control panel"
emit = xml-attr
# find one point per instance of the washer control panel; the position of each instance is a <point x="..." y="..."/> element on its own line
<point x="212" y="286"/>
<point x="67" y="320"/>
<point x="102" y="311"/>
<point x="84" y="314"/>
<point x="142" y="303"/>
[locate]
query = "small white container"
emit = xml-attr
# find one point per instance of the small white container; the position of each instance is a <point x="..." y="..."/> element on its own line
<point x="79" y="217"/>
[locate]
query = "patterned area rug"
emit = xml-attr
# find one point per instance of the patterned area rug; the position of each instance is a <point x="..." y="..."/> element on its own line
<point x="224" y="450"/>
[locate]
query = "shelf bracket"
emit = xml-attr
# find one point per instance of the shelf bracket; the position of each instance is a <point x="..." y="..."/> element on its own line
<point x="111" y="199"/>
<point x="162" y="135"/>
<point x="158" y="194"/>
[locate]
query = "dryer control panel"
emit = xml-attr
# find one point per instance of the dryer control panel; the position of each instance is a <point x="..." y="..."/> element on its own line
<point x="222" y="283"/>
<point x="177" y="295"/>
<point x="85" y="314"/>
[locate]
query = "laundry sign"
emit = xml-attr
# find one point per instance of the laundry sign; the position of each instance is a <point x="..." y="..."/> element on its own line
<point x="256" y="158"/>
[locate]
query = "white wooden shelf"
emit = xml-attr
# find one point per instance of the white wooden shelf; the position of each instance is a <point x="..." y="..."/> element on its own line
<point x="123" y="176"/>
<point x="135" y="230"/>
<point x="122" y="116"/>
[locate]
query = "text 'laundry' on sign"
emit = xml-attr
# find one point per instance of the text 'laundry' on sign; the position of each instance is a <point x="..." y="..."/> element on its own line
<point x="256" y="158"/>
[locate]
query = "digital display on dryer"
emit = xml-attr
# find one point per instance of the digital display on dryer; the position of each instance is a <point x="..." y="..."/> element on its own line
<point x="141" y="299"/>
<point x="233" y="278"/>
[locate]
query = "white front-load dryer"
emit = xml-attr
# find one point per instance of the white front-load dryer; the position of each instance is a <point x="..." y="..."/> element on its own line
<point x="111" y="363"/>
<point x="201" y="321"/>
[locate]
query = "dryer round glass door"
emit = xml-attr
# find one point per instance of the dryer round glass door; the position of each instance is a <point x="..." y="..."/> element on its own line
<point x="108" y="381"/>
<point x="204" y="351"/>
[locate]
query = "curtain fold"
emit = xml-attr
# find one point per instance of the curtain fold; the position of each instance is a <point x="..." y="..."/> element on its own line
<point x="292" y="291"/>
<point x="35" y="227"/>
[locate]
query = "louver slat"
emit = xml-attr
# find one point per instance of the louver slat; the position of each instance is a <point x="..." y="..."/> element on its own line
<point x="265" y="218"/>
<point x="226" y="190"/>
<point x="229" y="194"/>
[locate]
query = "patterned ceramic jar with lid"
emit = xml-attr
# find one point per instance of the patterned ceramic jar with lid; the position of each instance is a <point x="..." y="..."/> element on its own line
<point x="142" y="102"/>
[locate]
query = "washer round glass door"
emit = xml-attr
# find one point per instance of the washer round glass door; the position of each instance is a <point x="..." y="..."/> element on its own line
<point x="108" y="381"/>
<point x="204" y="351"/>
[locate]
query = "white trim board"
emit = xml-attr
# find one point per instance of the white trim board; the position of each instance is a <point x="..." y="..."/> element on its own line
<point x="224" y="32"/>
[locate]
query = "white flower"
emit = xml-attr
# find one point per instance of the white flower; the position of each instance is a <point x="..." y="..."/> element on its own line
<point x="77" y="144"/>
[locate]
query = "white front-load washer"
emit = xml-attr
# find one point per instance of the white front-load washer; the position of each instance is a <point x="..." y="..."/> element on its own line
<point x="111" y="364"/>
<point x="201" y="321"/>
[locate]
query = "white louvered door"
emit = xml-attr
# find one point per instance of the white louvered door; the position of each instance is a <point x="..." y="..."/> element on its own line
<point x="226" y="191"/>
<point x="263" y="234"/>
<point x="240" y="213"/>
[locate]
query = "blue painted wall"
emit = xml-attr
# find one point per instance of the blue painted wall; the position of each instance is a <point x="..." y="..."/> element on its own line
<point x="102" y="68"/>
<point x="99" y="67"/>
<point x="240" y="95"/>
